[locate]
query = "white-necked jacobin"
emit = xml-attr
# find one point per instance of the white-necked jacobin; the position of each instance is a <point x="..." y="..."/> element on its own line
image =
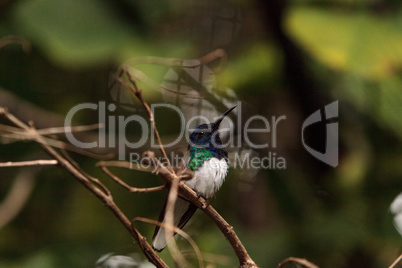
<point x="209" y="162"/>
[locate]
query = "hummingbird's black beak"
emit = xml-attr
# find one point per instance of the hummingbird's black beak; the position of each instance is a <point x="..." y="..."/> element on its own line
<point x="216" y="124"/>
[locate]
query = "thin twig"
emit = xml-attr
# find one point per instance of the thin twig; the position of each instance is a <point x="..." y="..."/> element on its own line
<point x="396" y="261"/>
<point x="126" y="164"/>
<point x="21" y="136"/>
<point x="216" y="54"/>
<point x="121" y="164"/>
<point x="137" y="92"/>
<point x="153" y="84"/>
<point x="53" y="130"/>
<point x="169" y="219"/>
<point x="178" y="231"/>
<point x="60" y="130"/>
<point x="128" y="187"/>
<point x="40" y="162"/>
<point x="93" y="179"/>
<point x="193" y="63"/>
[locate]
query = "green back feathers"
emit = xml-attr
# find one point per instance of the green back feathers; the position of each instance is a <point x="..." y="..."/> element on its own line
<point x="197" y="157"/>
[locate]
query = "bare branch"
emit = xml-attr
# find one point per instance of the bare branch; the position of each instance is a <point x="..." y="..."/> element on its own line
<point x="164" y="62"/>
<point x="216" y="54"/>
<point x="165" y="170"/>
<point x="227" y="230"/>
<point x="128" y="187"/>
<point x="169" y="218"/>
<point x="60" y="130"/>
<point x="26" y="111"/>
<point x="89" y="184"/>
<point x="126" y="164"/>
<point x="39" y="162"/>
<point x="137" y="92"/>
<point x="121" y="164"/>
<point x="93" y="179"/>
<point x="11" y="129"/>
<point x="191" y="63"/>
<point x="53" y="130"/>
<point x="178" y="231"/>
<point x="17" y="134"/>
<point x="395" y="263"/>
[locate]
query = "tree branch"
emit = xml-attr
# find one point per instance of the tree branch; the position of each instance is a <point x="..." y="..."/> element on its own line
<point x="39" y="162"/>
<point x="176" y="230"/>
<point x="128" y="187"/>
<point x="395" y="263"/>
<point x="164" y="170"/>
<point x="137" y="92"/>
<point x="89" y="184"/>
<point x="226" y="229"/>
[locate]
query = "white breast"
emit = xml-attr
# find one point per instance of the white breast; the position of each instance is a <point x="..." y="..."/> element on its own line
<point x="209" y="177"/>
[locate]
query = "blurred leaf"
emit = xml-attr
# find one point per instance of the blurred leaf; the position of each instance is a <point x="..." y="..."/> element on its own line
<point x="381" y="101"/>
<point x="260" y="60"/>
<point x="41" y="259"/>
<point x="73" y="32"/>
<point x="358" y="42"/>
<point x="391" y="103"/>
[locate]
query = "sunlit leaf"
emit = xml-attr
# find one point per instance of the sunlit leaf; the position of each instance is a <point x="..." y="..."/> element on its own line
<point x="260" y="60"/>
<point x="362" y="43"/>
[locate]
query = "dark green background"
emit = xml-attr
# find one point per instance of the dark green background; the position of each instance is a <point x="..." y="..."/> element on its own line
<point x="288" y="58"/>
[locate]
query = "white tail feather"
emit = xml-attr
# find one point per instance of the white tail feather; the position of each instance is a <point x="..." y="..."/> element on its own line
<point x="180" y="209"/>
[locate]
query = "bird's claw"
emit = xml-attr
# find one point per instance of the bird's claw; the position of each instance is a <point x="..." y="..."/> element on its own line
<point x="209" y="201"/>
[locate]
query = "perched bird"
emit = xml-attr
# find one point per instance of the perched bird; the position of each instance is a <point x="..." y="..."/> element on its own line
<point x="209" y="162"/>
<point x="396" y="210"/>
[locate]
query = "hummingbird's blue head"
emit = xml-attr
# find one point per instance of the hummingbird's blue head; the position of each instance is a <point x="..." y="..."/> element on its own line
<point x="207" y="135"/>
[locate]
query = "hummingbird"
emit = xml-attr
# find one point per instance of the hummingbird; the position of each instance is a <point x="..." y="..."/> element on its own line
<point x="209" y="162"/>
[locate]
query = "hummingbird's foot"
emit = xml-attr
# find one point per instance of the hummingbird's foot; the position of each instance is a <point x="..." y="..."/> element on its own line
<point x="209" y="201"/>
<point x="186" y="175"/>
<point x="206" y="204"/>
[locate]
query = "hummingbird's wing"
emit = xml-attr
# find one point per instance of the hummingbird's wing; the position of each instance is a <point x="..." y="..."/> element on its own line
<point x="183" y="211"/>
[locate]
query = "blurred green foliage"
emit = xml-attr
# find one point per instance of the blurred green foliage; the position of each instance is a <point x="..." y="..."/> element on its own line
<point x="350" y="51"/>
<point x="73" y="33"/>
<point x="360" y="43"/>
